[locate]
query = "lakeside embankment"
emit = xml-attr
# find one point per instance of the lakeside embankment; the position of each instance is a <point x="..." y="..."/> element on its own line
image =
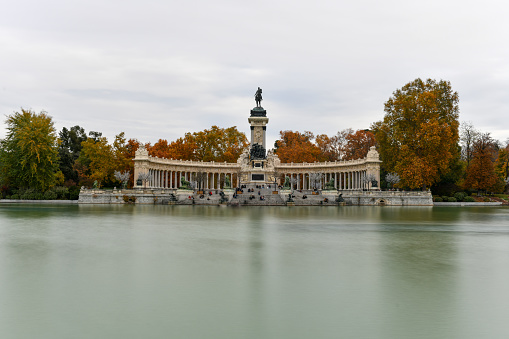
<point x="256" y="196"/>
<point x="47" y="202"/>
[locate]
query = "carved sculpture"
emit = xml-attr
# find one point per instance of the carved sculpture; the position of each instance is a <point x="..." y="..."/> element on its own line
<point x="257" y="152"/>
<point x="184" y="184"/>
<point x="286" y="185"/>
<point x="330" y="185"/>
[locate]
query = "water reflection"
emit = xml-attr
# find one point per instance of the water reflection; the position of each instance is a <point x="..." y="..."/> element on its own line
<point x="276" y="272"/>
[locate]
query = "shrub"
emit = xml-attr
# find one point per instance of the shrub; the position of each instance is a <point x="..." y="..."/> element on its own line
<point x="62" y="192"/>
<point x="451" y="199"/>
<point x="486" y="199"/>
<point x="74" y="193"/>
<point x="445" y="197"/>
<point x="469" y="199"/>
<point x="460" y="196"/>
<point x="31" y="194"/>
<point x="50" y="195"/>
<point x="438" y="199"/>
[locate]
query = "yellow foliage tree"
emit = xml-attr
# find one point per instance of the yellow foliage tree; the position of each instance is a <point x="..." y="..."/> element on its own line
<point x="418" y="136"/>
<point x="96" y="161"/>
<point x="28" y="154"/>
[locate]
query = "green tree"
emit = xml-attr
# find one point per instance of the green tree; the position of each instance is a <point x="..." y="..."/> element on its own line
<point x="69" y="151"/>
<point x="29" y="152"/>
<point x="418" y="136"/>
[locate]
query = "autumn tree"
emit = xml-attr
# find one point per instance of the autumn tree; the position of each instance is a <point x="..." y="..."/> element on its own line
<point x="481" y="173"/>
<point x="129" y="153"/>
<point x="120" y="148"/>
<point x="96" y="161"/>
<point x="220" y="144"/>
<point x="502" y="163"/>
<point x="296" y="147"/>
<point x="358" y="144"/>
<point x="29" y="155"/>
<point x="418" y="136"/>
<point x="214" y="144"/>
<point x="160" y="149"/>
<point x="332" y="148"/>
<point x="184" y="148"/>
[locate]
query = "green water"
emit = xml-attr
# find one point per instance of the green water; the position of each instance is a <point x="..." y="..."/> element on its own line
<point x="268" y="272"/>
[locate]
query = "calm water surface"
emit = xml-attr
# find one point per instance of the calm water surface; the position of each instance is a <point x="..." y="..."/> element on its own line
<point x="270" y="272"/>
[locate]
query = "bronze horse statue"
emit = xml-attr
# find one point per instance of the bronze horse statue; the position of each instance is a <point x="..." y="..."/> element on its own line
<point x="258" y="97"/>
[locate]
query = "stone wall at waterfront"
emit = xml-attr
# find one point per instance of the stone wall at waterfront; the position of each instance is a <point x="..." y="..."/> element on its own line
<point x="46" y="202"/>
<point x="390" y="198"/>
<point x="270" y="198"/>
<point x="462" y="203"/>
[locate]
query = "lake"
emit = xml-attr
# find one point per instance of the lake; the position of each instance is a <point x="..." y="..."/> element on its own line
<point x="105" y="271"/>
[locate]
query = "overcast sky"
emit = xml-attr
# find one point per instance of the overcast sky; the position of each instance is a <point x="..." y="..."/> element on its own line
<point x="157" y="69"/>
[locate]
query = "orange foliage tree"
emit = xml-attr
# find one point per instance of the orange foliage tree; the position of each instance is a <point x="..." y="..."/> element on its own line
<point x="160" y="149"/>
<point x="481" y="173"/>
<point x="296" y="147"/>
<point x="128" y="153"/>
<point x="418" y="137"/>
<point x="332" y="148"/>
<point x="214" y="144"/>
<point x="358" y="144"/>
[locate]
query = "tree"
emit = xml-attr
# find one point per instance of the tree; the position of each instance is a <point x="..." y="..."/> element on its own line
<point x="358" y="144"/>
<point x="418" y="136"/>
<point x="29" y="152"/>
<point x="316" y="180"/>
<point x="219" y="144"/>
<point x="69" y="150"/>
<point x="296" y="147"/>
<point x="481" y="173"/>
<point x="502" y="163"/>
<point x="468" y="136"/>
<point x="129" y="153"/>
<point x="332" y="148"/>
<point x="123" y="177"/>
<point x="96" y="161"/>
<point x="184" y="148"/>
<point x="161" y="149"/>
<point x="392" y="179"/>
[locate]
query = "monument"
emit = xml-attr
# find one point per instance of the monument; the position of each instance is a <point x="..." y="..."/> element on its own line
<point x="197" y="182"/>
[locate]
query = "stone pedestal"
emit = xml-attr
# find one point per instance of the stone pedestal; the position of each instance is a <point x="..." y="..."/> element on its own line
<point x="258" y="121"/>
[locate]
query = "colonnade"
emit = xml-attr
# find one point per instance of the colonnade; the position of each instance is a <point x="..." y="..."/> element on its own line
<point x="206" y="180"/>
<point x="343" y="180"/>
